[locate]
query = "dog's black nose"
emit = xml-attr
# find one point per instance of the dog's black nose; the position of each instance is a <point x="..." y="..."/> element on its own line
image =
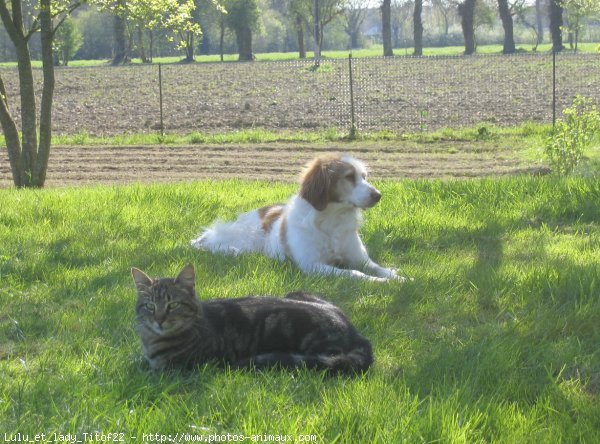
<point x="375" y="196"/>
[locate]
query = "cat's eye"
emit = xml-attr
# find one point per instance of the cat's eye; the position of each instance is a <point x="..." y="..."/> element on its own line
<point x="150" y="306"/>
<point x="173" y="305"/>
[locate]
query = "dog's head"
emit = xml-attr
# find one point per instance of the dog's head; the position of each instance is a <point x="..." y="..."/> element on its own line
<point x="335" y="178"/>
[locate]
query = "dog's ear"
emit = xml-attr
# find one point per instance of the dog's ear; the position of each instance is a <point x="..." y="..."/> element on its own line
<point x="315" y="185"/>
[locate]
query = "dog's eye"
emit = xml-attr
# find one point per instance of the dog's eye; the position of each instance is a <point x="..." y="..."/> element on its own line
<point x="350" y="176"/>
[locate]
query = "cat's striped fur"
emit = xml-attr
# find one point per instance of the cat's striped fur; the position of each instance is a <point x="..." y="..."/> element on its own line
<point x="178" y="330"/>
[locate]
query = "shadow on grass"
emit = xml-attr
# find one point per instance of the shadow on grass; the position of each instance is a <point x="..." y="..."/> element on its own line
<point x="483" y="273"/>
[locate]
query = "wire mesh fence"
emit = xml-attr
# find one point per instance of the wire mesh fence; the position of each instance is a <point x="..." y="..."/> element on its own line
<point x="275" y="96"/>
<point x="398" y="94"/>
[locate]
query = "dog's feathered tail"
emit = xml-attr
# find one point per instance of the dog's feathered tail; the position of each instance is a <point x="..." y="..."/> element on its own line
<point x="242" y="235"/>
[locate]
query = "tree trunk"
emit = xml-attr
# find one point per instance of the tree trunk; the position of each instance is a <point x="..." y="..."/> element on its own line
<point x="28" y="115"/>
<point x="539" y="22"/>
<point x="29" y="161"/>
<point x="386" y="28"/>
<point x="222" y="39"/>
<point x="47" y="34"/>
<point x="189" y="48"/>
<point x="418" y="28"/>
<point x="13" y="23"/>
<point x="466" y="10"/>
<point x="354" y="39"/>
<point x="396" y="33"/>
<point x="120" y="55"/>
<point x="141" y="49"/>
<point x="446" y="27"/>
<point x="244" y="41"/>
<point x="507" y="24"/>
<point x="11" y="137"/>
<point x="317" y="30"/>
<point x="151" y="36"/>
<point x="556" y="23"/>
<point x="300" y="33"/>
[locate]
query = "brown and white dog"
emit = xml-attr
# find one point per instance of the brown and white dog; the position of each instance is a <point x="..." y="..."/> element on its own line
<point x="317" y="228"/>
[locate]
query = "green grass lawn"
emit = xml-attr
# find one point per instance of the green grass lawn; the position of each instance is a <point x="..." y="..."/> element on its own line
<point x="373" y="51"/>
<point x="495" y="340"/>
<point x="525" y="135"/>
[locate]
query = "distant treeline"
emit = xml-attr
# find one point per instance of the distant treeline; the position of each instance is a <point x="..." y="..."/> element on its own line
<point x="276" y="26"/>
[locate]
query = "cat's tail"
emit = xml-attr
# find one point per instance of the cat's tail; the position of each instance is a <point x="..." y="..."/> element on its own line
<point x="242" y="235"/>
<point x="355" y="361"/>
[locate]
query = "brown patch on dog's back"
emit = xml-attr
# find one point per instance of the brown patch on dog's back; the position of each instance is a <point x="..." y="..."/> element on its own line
<point x="269" y="214"/>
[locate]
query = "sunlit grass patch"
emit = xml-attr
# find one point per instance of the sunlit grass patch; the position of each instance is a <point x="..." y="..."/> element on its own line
<point x="495" y="339"/>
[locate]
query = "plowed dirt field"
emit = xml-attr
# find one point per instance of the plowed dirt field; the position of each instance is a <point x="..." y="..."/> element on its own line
<point x="85" y="165"/>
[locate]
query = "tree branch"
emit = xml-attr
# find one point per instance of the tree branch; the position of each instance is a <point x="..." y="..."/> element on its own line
<point x="35" y="26"/>
<point x="11" y="135"/>
<point x="9" y="24"/>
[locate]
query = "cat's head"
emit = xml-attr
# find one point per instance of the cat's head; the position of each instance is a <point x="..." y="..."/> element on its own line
<point x="166" y="305"/>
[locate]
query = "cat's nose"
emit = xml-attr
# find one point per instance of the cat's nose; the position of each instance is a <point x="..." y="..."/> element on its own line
<point x="159" y="321"/>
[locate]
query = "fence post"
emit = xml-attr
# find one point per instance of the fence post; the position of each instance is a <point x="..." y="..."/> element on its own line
<point x="553" y="89"/>
<point x="353" y="132"/>
<point x="160" y="98"/>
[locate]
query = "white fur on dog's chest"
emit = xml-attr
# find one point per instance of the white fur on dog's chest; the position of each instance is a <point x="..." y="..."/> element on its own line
<point x="326" y="231"/>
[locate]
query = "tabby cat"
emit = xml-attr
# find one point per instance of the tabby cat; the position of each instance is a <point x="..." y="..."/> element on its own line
<point x="179" y="330"/>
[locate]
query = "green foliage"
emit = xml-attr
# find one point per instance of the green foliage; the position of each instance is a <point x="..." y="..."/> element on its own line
<point x="495" y="340"/>
<point x="97" y="43"/>
<point x="242" y="13"/>
<point x="576" y="11"/>
<point x="67" y="40"/>
<point x="573" y="133"/>
<point x="172" y="15"/>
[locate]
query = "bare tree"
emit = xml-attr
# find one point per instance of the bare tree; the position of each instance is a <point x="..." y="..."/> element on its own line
<point x="324" y="12"/>
<point x="539" y="22"/>
<point x="386" y="27"/>
<point x="401" y="12"/>
<point x="355" y="13"/>
<point x="556" y="23"/>
<point x="506" y="15"/>
<point x="466" y="10"/>
<point x="521" y="15"/>
<point x="299" y="16"/>
<point x="447" y="9"/>
<point x="27" y="154"/>
<point x="418" y="28"/>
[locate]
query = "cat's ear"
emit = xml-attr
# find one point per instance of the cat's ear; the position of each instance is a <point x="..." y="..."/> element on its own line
<point x="142" y="280"/>
<point x="187" y="278"/>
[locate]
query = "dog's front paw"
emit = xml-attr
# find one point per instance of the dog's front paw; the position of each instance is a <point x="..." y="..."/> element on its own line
<point x="197" y="243"/>
<point x="393" y="274"/>
<point x="389" y="273"/>
<point x="378" y="279"/>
